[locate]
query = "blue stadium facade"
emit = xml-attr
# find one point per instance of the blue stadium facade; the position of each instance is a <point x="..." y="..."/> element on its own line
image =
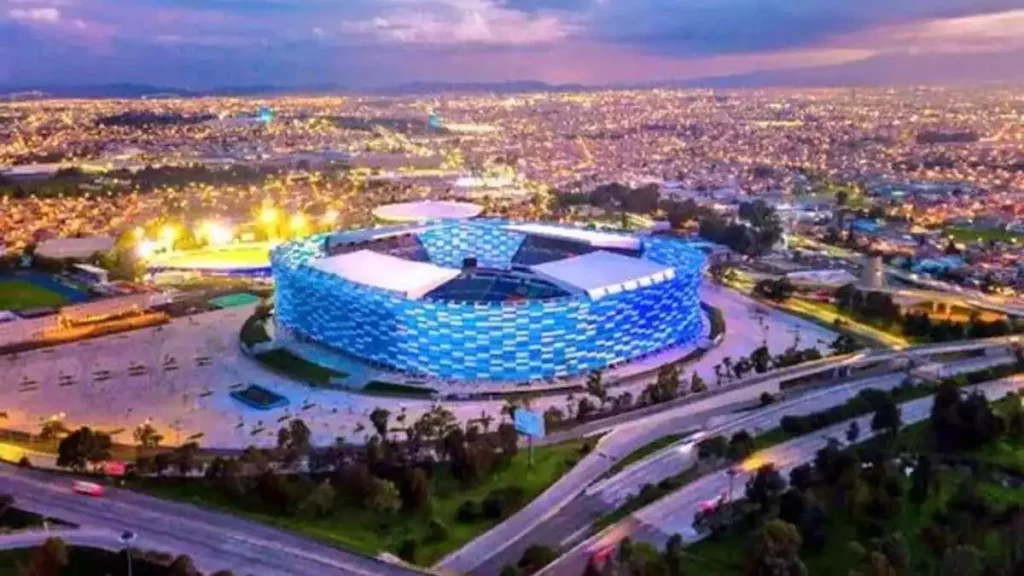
<point x="496" y="322"/>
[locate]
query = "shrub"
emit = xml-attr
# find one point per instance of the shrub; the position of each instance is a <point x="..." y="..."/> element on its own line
<point x="436" y="531"/>
<point x="500" y="502"/>
<point x="408" y="550"/>
<point x="468" y="512"/>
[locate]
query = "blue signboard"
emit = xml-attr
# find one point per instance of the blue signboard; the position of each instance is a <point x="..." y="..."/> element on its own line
<point x="529" y="423"/>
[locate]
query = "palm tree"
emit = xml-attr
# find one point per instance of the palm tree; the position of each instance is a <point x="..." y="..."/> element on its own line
<point x="727" y="365"/>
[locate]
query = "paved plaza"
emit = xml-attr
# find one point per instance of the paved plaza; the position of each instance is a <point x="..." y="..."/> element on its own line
<point x="178" y="377"/>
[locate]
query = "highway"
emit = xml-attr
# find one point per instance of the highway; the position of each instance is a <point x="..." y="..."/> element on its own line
<point x="574" y="517"/>
<point x="215" y="541"/>
<point x="674" y="514"/>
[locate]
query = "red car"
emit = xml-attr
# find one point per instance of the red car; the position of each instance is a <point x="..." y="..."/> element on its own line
<point x="87" y="488"/>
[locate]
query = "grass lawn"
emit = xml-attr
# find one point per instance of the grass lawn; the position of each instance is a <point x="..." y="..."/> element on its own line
<point x="24" y="295"/>
<point x="370" y="533"/>
<point x="826" y="314"/>
<point x="299" y="368"/>
<point x="968" y="234"/>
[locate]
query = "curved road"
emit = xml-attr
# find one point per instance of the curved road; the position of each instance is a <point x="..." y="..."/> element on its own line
<point x="214" y="541"/>
<point x="674" y="514"/>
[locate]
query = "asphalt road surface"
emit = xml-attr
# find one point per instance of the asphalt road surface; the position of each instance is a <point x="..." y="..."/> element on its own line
<point x="674" y="514"/>
<point x="567" y="515"/>
<point x="214" y="541"/>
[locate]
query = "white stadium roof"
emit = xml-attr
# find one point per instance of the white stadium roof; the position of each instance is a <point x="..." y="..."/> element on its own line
<point x="591" y="237"/>
<point x="601" y="273"/>
<point x="427" y="210"/>
<point x="406" y="277"/>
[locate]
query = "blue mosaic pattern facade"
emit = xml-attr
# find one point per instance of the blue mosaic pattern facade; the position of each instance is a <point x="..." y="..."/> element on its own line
<point x="450" y="243"/>
<point x="508" y="341"/>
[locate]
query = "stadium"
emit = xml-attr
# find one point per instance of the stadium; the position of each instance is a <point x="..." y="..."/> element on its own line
<point x="489" y="300"/>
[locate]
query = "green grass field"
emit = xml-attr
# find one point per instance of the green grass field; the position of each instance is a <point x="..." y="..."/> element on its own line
<point x="235" y="256"/>
<point x="22" y="295"/>
<point x="367" y="532"/>
<point x="968" y="234"/>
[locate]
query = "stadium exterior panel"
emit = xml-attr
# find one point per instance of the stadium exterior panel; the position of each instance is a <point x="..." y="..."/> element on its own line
<point x="479" y="300"/>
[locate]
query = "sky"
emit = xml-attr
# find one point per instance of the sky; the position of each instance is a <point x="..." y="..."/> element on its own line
<point x="202" y="44"/>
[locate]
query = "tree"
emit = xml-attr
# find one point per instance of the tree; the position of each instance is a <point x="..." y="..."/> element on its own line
<point x="778" y="290"/>
<point x="293" y="441"/>
<point x="52" y="430"/>
<point x="48" y="559"/>
<point x="803" y="511"/>
<point x="761" y="359"/>
<point x="741" y="445"/>
<point x="184" y="457"/>
<point x="416" y="490"/>
<point x="802" y="477"/>
<point x="82" y="447"/>
<point x="146" y="436"/>
<point x="776" y="551"/>
<point x="595" y="386"/>
<point x="584" y="409"/>
<point x="962" y="560"/>
<point x="508" y="438"/>
<point x="886" y="419"/>
<point x="844" y="344"/>
<point x="921" y="479"/>
<point x="319" y="502"/>
<point x="536" y="557"/>
<point x="765" y="487"/>
<point x="379" y="419"/>
<point x="385" y="498"/>
<point x="182" y="566"/>
<point x="714" y="447"/>
<point x="697" y="384"/>
<point x="853" y="432"/>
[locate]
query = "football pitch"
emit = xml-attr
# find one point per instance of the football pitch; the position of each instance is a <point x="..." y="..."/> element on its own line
<point x="24" y="295"/>
<point x="243" y="256"/>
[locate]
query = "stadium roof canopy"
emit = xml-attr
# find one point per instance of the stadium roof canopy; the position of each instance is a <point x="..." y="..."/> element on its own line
<point x="406" y="277"/>
<point x="590" y="237"/>
<point x="602" y="273"/>
<point x="368" y="234"/>
<point x="427" y="210"/>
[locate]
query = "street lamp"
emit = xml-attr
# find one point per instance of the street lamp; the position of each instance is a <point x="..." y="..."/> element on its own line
<point x="126" y="539"/>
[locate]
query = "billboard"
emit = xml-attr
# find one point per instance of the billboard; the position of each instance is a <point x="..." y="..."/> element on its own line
<point x="529" y="423"/>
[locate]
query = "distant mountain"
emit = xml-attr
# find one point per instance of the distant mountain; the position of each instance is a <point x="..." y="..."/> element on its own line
<point x="473" y="87"/>
<point x="94" y="91"/>
<point x="147" y="91"/>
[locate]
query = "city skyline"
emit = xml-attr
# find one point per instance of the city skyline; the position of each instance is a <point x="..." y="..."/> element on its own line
<point x="376" y="43"/>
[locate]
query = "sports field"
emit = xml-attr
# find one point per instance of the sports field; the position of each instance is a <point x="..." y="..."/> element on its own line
<point x="969" y="234"/>
<point x="18" y="294"/>
<point x="231" y="257"/>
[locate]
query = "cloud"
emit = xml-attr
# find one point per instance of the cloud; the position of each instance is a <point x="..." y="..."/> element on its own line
<point x="458" y="22"/>
<point x="47" y="15"/>
<point x="705" y="27"/>
<point x="373" y="42"/>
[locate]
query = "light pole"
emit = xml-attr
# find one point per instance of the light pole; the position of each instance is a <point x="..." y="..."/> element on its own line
<point x="126" y="538"/>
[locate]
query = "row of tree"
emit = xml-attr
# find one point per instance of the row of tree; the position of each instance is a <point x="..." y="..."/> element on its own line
<point x="866" y="489"/>
<point x="878" y="308"/>
<point x="54" y="558"/>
